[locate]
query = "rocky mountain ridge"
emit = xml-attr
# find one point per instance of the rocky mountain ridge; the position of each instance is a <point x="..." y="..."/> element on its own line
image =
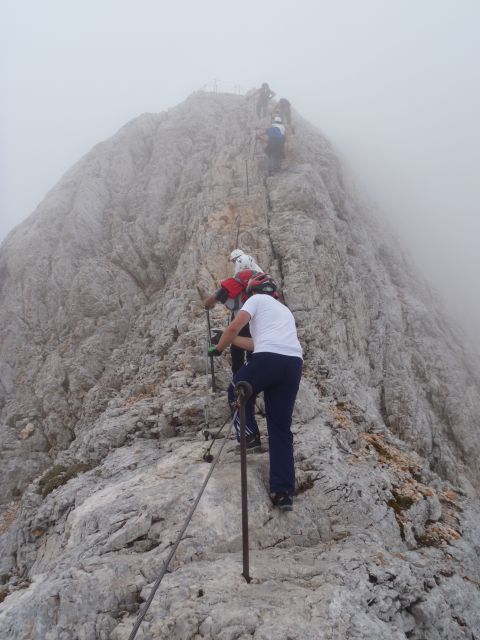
<point x="104" y="397"/>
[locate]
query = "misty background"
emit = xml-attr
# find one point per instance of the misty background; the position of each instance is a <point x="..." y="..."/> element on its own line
<point x="393" y="84"/>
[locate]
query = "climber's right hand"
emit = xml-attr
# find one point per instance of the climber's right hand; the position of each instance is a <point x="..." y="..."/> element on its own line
<point x="209" y="302"/>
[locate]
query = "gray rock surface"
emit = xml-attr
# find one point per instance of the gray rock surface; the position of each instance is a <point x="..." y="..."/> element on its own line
<point x="103" y="398"/>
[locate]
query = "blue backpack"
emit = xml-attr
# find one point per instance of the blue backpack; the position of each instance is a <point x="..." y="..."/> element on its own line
<point x="274" y="133"/>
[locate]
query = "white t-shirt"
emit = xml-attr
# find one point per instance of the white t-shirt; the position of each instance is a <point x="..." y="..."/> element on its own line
<point x="272" y="326"/>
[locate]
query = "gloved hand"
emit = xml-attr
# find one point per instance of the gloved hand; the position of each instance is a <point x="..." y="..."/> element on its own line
<point x="212" y="351"/>
<point x="209" y="302"/>
<point x="217" y="334"/>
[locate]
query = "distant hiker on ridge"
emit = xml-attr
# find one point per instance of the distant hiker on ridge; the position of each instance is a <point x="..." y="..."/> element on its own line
<point x="275" y="148"/>
<point x="264" y="95"/>
<point x="283" y="109"/>
<point x="275" y="368"/>
<point x="232" y="294"/>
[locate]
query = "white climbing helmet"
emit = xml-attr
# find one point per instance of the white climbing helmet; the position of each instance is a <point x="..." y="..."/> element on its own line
<point x="278" y="119"/>
<point x="244" y="262"/>
<point x="236" y="253"/>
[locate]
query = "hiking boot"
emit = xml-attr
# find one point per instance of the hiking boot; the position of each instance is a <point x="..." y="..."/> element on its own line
<point x="253" y="444"/>
<point x="282" y="501"/>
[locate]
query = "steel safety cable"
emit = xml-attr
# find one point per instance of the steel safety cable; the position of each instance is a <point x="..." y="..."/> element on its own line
<point x="148" y="602"/>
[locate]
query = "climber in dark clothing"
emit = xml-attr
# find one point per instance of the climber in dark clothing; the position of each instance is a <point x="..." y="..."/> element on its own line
<point x="264" y="95"/>
<point x="275" y="148"/>
<point x="283" y="109"/>
<point x="232" y="294"/>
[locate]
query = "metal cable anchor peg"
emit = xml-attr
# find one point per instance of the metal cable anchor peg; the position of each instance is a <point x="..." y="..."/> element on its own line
<point x="243" y="391"/>
<point x="207" y="456"/>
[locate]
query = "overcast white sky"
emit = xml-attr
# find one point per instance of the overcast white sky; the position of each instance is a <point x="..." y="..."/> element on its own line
<point x="394" y="84"/>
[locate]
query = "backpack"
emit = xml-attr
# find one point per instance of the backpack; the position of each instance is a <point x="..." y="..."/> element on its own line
<point x="275" y="133"/>
<point x="235" y="289"/>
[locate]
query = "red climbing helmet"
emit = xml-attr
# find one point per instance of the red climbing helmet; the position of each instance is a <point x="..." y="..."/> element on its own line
<point x="262" y="283"/>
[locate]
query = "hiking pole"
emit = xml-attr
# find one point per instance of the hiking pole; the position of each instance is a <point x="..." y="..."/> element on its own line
<point x="246" y="171"/>
<point x="238" y="231"/>
<point x="212" y="368"/>
<point x="243" y="391"/>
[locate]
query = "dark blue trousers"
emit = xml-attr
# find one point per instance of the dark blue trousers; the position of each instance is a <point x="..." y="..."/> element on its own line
<point x="278" y="377"/>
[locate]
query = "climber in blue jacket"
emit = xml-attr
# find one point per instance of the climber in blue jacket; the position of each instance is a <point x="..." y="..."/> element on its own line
<point x="275" y="148"/>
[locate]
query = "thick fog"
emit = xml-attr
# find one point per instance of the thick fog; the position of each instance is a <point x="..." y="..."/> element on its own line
<point x="394" y="85"/>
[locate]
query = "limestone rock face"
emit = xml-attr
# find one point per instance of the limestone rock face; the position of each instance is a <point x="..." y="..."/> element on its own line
<point x="104" y="394"/>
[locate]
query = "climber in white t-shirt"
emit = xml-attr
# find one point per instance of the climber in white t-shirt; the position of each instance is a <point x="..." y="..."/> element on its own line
<point x="275" y="369"/>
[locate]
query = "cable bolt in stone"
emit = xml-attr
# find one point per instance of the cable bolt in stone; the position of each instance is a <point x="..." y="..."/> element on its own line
<point x="207" y="455"/>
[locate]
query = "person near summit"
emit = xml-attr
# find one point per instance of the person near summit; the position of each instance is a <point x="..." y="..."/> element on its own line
<point x="232" y="294"/>
<point x="284" y="110"/>
<point x="264" y="95"/>
<point x="276" y="369"/>
<point x="275" y="147"/>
